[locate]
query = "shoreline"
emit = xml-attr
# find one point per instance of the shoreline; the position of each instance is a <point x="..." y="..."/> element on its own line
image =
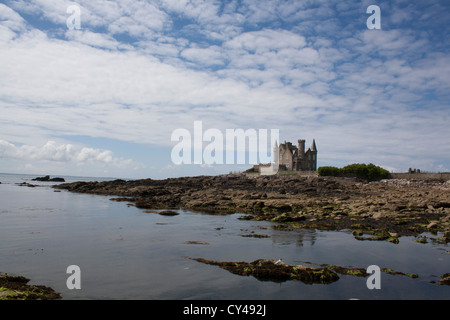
<point x="385" y="210"/>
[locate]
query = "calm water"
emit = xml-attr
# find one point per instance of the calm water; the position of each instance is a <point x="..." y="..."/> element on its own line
<point x="125" y="253"/>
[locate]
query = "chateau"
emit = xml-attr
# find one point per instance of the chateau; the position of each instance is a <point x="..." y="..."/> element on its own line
<point x="296" y="158"/>
<point x="290" y="157"/>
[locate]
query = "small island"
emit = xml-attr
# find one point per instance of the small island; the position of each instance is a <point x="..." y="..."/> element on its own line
<point x="47" y="178"/>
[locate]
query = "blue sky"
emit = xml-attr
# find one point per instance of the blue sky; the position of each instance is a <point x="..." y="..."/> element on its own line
<point x="104" y="100"/>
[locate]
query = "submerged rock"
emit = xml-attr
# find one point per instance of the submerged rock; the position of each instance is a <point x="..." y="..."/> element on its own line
<point x="26" y="184"/>
<point x="168" y="213"/>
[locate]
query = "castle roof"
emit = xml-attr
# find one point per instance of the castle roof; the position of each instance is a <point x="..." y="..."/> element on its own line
<point x="313" y="146"/>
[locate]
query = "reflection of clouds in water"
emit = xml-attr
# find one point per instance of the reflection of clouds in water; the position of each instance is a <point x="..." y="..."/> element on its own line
<point x="301" y="238"/>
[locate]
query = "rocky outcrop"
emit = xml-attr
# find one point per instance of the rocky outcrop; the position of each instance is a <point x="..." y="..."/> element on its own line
<point x="16" y="288"/>
<point x="278" y="271"/>
<point x="47" y="178"/>
<point x="381" y="210"/>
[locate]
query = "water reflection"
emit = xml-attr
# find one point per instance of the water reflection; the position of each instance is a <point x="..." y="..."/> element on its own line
<point x="301" y="238"/>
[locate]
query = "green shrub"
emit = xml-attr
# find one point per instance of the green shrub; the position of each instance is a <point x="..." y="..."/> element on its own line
<point x="328" y="171"/>
<point x="369" y="172"/>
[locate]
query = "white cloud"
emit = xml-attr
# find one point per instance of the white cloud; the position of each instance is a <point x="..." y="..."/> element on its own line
<point x="59" y="152"/>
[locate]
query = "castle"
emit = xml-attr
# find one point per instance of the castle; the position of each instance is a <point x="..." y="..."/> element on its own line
<point x="290" y="157"/>
<point x="296" y="158"/>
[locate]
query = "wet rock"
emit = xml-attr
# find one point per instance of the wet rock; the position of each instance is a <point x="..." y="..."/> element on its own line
<point x="445" y="279"/>
<point x="47" y="178"/>
<point x="432" y="225"/>
<point x="168" y="213"/>
<point x="16" y="288"/>
<point x="26" y="184"/>
<point x="270" y="270"/>
<point x="197" y="242"/>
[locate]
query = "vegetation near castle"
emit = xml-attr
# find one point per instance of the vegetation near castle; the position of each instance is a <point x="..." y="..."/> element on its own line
<point x="369" y="172"/>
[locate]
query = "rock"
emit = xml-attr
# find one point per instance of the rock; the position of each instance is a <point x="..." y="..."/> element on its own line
<point x="47" y="178"/>
<point x="378" y="215"/>
<point x="270" y="270"/>
<point x="432" y="225"/>
<point x="16" y="288"/>
<point x="445" y="279"/>
<point x="168" y="213"/>
<point x="26" y="184"/>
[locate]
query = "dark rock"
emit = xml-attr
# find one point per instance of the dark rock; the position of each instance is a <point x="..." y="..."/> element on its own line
<point x="445" y="279"/>
<point x="16" y="288"/>
<point x="168" y="213"/>
<point x="271" y="270"/>
<point x="26" y="184"/>
<point x="47" y="178"/>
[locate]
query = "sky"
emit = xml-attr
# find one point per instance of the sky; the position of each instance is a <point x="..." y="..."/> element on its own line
<point x="101" y="90"/>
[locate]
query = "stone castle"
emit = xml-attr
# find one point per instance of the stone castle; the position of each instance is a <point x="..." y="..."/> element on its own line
<point x="296" y="158"/>
<point x="293" y="158"/>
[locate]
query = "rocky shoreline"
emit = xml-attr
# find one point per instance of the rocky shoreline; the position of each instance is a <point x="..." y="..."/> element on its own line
<point x="16" y="288"/>
<point x="374" y="211"/>
<point x="380" y="210"/>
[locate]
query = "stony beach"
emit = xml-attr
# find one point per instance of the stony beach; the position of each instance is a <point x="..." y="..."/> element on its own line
<point x="379" y="210"/>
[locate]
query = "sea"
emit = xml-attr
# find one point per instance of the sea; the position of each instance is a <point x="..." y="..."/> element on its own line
<point x="123" y="252"/>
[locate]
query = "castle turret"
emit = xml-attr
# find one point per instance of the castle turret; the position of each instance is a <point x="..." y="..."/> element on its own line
<point x="313" y="146"/>
<point x="301" y="148"/>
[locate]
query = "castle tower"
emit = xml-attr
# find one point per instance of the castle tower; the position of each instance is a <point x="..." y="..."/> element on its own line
<point x="313" y="146"/>
<point x="301" y="148"/>
<point x="314" y="155"/>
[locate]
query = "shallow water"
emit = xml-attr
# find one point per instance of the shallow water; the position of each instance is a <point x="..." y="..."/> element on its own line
<point x="125" y="253"/>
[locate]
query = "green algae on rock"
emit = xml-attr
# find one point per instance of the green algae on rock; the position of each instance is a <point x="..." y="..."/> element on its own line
<point x="271" y="270"/>
<point x="278" y="271"/>
<point x="16" y="288"/>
